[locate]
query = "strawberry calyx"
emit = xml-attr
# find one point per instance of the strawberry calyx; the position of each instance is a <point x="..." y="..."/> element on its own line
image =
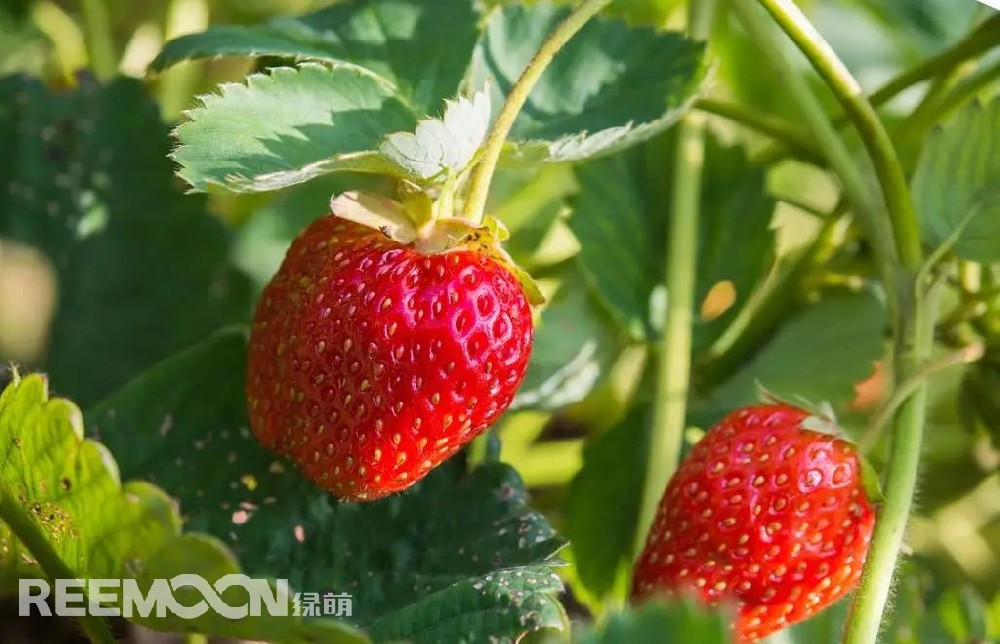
<point x="823" y="420"/>
<point x="419" y="221"/>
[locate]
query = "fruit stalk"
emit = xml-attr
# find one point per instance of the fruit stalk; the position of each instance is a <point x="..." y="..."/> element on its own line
<point x="913" y="320"/>
<point x="482" y="175"/>
<point x="673" y="355"/>
<point x="24" y="529"/>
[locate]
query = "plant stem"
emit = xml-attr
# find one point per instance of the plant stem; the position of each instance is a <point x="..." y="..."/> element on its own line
<point x="797" y="142"/>
<point x="979" y="40"/>
<point x="856" y="189"/>
<point x="100" y="45"/>
<point x="24" y="529"/>
<point x="861" y="113"/>
<point x="482" y="175"/>
<point x="673" y="355"/>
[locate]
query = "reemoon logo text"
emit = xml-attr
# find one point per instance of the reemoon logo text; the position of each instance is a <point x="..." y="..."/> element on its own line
<point x="123" y="597"/>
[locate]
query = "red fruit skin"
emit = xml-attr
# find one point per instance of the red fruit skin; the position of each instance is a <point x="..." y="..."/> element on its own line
<point x="763" y="515"/>
<point x="370" y="363"/>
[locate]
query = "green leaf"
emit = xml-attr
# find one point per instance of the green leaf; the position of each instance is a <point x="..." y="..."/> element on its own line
<point x="603" y="505"/>
<point x="141" y="269"/>
<point x="183" y="425"/>
<point x="957" y="184"/>
<point x="575" y="346"/>
<point x="809" y="357"/>
<point x="289" y="126"/>
<point x="611" y="87"/>
<point x="619" y="217"/>
<point x="63" y="509"/>
<point x="965" y="615"/>
<point x="422" y="48"/>
<point x="660" y="622"/>
<point x="442" y="147"/>
<point x="468" y="611"/>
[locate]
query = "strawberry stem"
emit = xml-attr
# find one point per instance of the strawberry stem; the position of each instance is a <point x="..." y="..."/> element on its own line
<point x="482" y="175"/>
<point x="673" y="355"/>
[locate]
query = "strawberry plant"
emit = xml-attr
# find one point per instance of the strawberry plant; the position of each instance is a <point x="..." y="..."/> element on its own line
<point x="500" y="321"/>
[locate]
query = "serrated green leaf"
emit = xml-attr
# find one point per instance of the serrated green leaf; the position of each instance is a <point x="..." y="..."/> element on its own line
<point x="620" y="218"/>
<point x="289" y="126"/>
<point x="442" y="147"/>
<point x="955" y="186"/>
<point x="487" y="608"/>
<point x="660" y="622"/>
<point x="809" y="357"/>
<point x="141" y="269"/>
<point x="183" y="424"/>
<point x="575" y="345"/>
<point x="421" y="47"/>
<point x="611" y="87"/>
<point x="603" y="505"/>
<point x="57" y="488"/>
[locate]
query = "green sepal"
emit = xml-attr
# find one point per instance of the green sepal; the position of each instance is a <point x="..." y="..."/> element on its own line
<point x="870" y="481"/>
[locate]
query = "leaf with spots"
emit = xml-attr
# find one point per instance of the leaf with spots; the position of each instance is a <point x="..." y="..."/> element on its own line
<point x="612" y="86"/>
<point x="65" y="514"/>
<point x="422" y="48"/>
<point x="620" y="216"/>
<point x="185" y="420"/>
<point x="141" y="270"/>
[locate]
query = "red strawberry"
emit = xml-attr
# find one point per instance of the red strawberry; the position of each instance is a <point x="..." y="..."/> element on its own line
<point x="765" y="515"/>
<point x="370" y="362"/>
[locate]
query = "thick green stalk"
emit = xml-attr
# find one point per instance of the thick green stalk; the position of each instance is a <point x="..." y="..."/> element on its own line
<point x="482" y="175"/>
<point x="913" y="321"/>
<point x="673" y="355"/>
<point x="13" y="515"/>
<point x="100" y="45"/>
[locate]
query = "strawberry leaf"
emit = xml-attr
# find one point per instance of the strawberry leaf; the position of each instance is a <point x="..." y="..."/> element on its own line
<point x="288" y="126"/>
<point x="575" y="346"/>
<point x="62" y="491"/>
<point x="128" y="249"/>
<point x="624" y="256"/>
<point x="956" y="184"/>
<point x="638" y="82"/>
<point x="662" y="622"/>
<point x="185" y="420"/>
<point x="441" y="148"/>
<point x="788" y="364"/>
<point x="393" y="38"/>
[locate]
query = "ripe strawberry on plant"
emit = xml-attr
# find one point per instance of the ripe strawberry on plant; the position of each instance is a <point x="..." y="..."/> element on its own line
<point x="386" y="341"/>
<point x="763" y="514"/>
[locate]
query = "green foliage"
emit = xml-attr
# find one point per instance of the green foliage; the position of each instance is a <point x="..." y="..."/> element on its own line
<point x="660" y="622"/>
<point x="624" y="255"/>
<point x="394" y="39"/>
<point x="291" y="125"/>
<point x="809" y="358"/>
<point x="575" y="345"/>
<point x="142" y="270"/>
<point x="403" y="559"/>
<point x="64" y="512"/>
<point x="638" y="82"/>
<point x="957" y="184"/>
<point x="603" y="505"/>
